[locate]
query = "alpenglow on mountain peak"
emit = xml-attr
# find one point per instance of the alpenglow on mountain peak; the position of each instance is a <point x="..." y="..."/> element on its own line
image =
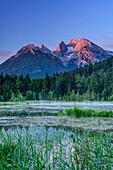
<point x="25" y="49"/>
<point x="39" y="61"/>
<point x="61" y="47"/>
<point x="80" y="52"/>
<point x="72" y="42"/>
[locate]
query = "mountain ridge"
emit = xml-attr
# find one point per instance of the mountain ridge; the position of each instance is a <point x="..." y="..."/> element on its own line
<point x="39" y="61"/>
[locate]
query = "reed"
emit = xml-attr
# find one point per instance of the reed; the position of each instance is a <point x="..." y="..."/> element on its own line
<point x="20" y="149"/>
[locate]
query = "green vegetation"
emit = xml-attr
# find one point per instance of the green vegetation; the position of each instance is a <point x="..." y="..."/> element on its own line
<point x="25" y="113"/>
<point x="8" y="103"/>
<point x="91" y="82"/>
<point x="26" y="110"/>
<point x="86" y="150"/>
<point x="81" y="112"/>
<point x="60" y="113"/>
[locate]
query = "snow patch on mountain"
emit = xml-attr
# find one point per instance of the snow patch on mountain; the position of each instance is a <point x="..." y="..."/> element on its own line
<point x="70" y="49"/>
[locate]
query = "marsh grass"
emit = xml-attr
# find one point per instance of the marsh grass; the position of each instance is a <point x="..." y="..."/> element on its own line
<point x="25" y="113"/>
<point x="60" y="113"/>
<point x="21" y="149"/>
<point x="76" y="112"/>
<point x="81" y="112"/>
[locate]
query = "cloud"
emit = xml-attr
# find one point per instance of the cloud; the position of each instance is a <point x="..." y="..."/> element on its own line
<point x="108" y="45"/>
<point x="4" y="55"/>
<point x="52" y="48"/>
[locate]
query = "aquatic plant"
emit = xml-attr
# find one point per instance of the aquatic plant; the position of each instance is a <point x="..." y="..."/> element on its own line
<point x="21" y="149"/>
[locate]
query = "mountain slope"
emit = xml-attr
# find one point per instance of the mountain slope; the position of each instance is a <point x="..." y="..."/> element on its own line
<point x="38" y="61"/>
<point x="33" y="61"/>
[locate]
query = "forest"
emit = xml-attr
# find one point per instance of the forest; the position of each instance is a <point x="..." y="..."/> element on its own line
<point x="91" y="82"/>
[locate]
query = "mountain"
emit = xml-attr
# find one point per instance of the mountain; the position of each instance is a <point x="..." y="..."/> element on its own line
<point x="38" y="61"/>
<point x="30" y="59"/>
<point x="81" y="52"/>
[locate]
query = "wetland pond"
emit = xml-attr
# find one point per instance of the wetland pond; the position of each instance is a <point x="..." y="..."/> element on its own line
<point x="54" y="136"/>
<point x="47" y="115"/>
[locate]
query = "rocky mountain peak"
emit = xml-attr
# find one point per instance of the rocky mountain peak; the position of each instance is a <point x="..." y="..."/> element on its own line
<point x="61" y="47"/>
<point x="43" y="46"/>
<point x="25" y="49"/>
<point x="73" y="41"/>
<point x="45" y="49"/>
<point x="82" y="43"/>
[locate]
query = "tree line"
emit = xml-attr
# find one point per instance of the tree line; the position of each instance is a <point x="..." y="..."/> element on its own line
<point x="91" y="82"/>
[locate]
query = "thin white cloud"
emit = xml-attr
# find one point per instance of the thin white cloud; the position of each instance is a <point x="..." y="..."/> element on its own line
<point x="4" y="55"/>
<point x="52" y="48"/>
<point x="108" y="45"/>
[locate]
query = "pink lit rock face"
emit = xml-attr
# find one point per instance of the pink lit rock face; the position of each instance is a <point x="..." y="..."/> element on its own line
<point x="38" y="61"/>
<point x="72" y="43"/>
<point x="86" y="56"/>
<point x="88" y="51"/>
<point x="82" y="43"/>
<point x="81" y="52"/>
<point x="29" y="48"/>
<point x="61" y="47"/>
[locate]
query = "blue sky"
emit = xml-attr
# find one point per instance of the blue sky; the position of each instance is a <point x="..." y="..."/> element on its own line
<point x="50" y="21"/>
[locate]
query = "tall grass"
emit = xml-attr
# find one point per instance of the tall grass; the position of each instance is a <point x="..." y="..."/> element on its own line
<point x="21" y="149"/>
<point x="81" y="112"/>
